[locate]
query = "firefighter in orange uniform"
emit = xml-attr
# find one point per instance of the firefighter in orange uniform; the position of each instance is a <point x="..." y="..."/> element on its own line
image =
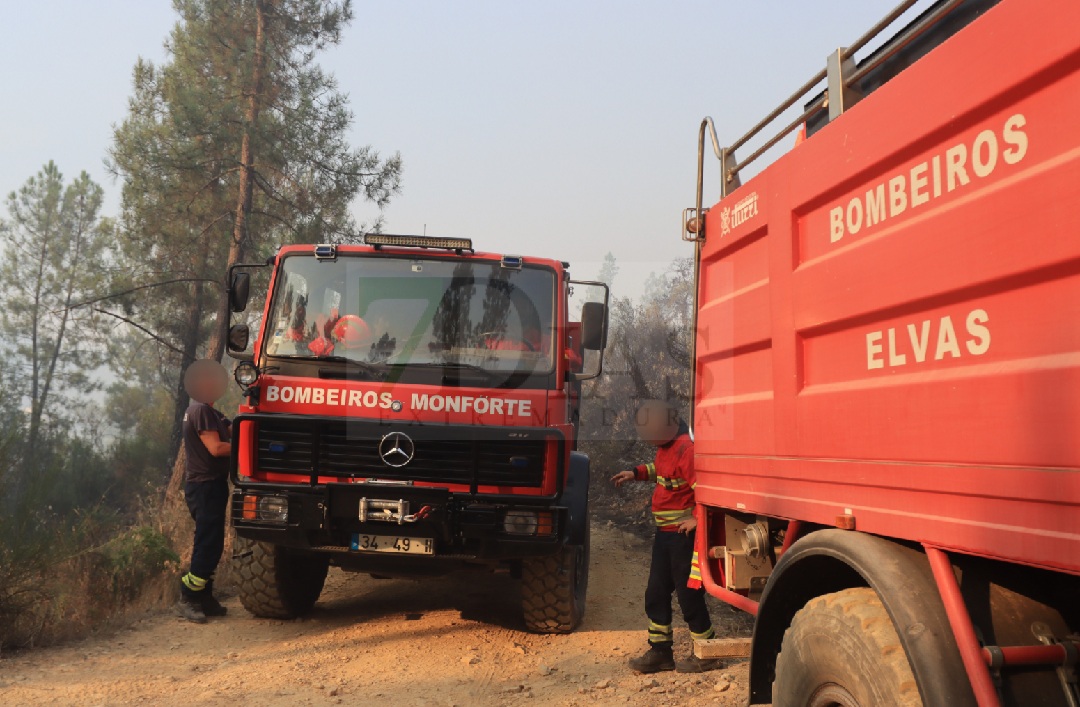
<point x="342" y="334"/>
<point x="673" y="547"/>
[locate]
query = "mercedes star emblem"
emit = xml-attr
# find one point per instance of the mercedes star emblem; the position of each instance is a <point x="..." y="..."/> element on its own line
<point x="396" y="449"/>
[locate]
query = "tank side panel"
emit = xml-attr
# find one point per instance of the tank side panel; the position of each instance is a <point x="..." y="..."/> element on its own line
<point x="734" y="338"/>
<point x="923" y="287"/>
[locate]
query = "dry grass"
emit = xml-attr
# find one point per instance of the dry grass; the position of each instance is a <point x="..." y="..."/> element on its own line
<point x="67" y="580"/>
<point x="47" y="600"/>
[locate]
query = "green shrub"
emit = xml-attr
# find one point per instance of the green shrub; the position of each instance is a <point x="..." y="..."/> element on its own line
<point x="134" y="558"/>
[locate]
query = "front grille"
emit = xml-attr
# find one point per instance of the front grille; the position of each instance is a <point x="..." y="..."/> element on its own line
<point x="443" y="454"/>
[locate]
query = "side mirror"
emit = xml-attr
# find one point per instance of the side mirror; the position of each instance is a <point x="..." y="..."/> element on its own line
<point x="594" y="326"/>
<point x="239" y="290"/>
<point x="238" y="338"/>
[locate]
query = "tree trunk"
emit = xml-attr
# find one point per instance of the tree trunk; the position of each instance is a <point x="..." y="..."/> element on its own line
<point x="76" y="261"/>
<point x="175" y="519"/>
<point x="30" y="460"/>
<point x="190" y="352"/>
<point x="238" y="245"/>
<point x="35" y="349"/>
<point x="175" y="511"/>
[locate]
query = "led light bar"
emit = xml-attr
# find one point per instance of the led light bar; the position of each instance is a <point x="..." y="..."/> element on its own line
<point x="381" y="239"/>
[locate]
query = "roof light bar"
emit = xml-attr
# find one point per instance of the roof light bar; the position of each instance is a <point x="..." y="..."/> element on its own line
<point x="382" y="239"/>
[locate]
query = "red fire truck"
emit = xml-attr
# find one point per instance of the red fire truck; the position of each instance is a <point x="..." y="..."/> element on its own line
<point x="887" y="368"/>
<point x="411" y="408"/>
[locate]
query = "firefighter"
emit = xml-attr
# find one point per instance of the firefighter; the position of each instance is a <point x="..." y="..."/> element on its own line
<point x="206" y="487"/>
<point x="323" y="342"/>
<point x="672" y="472"/>
<point x="344" y="334"/>
<point x="351" y="333"/>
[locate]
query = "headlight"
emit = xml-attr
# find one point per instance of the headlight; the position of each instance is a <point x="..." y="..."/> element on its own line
<point x="272" y="508"/>
<point x="268" y="509"/>
<point x="520" y="523"/>
<point x="246" y="374"/>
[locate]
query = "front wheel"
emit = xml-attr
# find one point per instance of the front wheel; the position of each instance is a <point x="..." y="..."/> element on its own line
<point x="553" y="589"/>
<point x="842" y="650"/>
<point x="275" y="584"/>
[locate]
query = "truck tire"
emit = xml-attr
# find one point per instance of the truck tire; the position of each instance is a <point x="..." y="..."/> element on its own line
<point x="554" y="587"/>
<point x="842" y="650"/>
<point x="275" y="584"/>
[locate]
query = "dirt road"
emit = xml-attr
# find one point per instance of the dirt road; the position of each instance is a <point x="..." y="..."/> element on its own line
<point x="451" y="641"/>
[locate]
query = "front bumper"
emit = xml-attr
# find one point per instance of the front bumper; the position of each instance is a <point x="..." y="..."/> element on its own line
<point x="465" y="527"/>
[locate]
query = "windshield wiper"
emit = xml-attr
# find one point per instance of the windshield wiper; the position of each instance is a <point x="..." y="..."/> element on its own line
<point x="450" y="365"/>
<point x="372" y="369"/>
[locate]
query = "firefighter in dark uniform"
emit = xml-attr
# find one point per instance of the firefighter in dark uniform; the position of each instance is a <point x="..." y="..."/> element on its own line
<point x="206" y="487"/>
<point x="672" y="472"/>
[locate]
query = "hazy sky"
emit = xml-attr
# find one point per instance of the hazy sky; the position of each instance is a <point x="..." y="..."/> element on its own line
<point x="564" y="129"/>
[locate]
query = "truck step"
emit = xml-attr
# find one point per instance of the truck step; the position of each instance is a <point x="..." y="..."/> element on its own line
<point x="722" y="648"/>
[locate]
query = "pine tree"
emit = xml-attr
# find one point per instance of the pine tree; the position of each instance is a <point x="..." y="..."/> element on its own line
<point x="53" y="244"/>
<point x="233" y="146"/>
<point x="609" y="270"/>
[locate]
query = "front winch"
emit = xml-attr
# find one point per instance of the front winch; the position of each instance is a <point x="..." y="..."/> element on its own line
<point x="384" y="511"/>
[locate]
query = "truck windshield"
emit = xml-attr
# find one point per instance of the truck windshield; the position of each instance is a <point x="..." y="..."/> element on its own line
<point x="407" y="312"/>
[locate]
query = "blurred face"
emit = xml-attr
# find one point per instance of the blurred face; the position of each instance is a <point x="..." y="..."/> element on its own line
<point x="657" y="422"/>
<point x="205" y="381"/>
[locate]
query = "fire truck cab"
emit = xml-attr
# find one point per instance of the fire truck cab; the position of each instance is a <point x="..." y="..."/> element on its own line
<point x="411" y="408"/>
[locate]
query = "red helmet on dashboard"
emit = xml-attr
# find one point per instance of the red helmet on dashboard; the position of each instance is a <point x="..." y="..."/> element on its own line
<point x="351" y="330"/>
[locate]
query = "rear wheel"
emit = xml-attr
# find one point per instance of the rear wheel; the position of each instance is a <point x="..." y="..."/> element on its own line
<point x="276" y="584"/>
<point x="842" y="650"/>
<point x="553" y="589"/>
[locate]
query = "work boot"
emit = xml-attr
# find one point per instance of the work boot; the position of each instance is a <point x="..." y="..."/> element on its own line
<point x="211" y="606"/>
<point x="693" y="664"/>
<point x="191" y="610"/>
<point x="658" y="658"/>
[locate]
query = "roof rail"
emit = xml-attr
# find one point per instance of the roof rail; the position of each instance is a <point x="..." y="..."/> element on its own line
<point x="842" y="78"/>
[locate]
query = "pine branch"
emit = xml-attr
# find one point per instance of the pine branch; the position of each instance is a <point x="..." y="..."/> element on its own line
<point x="141" y="328"/>
<point x="112" y="295"/>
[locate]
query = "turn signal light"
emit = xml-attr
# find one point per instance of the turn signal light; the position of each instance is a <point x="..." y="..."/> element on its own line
<point x="249" y="508"/>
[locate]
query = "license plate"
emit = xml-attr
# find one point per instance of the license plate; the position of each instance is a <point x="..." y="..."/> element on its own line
<point x="393" y="544"/>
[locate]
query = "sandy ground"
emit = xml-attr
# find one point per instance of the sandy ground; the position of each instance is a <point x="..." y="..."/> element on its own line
<point x="451" y="641"/>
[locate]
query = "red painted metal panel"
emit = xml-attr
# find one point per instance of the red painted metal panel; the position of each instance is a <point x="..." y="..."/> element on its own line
<point x="890" y="313"/>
